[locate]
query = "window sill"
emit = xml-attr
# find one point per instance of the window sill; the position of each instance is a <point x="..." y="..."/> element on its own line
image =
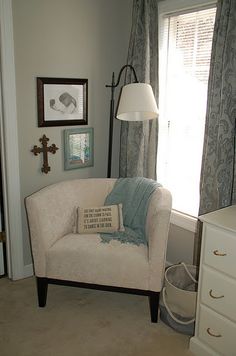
<point x="184" y="221"/>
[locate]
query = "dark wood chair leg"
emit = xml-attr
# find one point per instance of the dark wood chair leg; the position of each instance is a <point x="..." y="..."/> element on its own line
<point x="42" y="288"/>
<point x="154" y="305"/>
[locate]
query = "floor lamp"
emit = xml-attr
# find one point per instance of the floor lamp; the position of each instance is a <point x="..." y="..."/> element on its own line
<point x="136" y="103"/>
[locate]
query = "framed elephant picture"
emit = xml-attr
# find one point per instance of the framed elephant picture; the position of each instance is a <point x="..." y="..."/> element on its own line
<point x="62" y="101"/>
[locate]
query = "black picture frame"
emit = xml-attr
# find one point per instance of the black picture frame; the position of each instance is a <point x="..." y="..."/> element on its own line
<point x="62" y="101"/>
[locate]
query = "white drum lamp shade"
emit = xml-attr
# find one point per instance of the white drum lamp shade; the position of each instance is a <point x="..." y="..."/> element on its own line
<point x="137" y="103"/>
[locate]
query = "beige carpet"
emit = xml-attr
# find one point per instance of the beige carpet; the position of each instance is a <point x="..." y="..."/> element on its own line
<point x="80" y="322"/>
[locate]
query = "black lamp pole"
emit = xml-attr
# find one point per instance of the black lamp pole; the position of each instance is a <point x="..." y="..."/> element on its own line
<point x="113" y="86"/>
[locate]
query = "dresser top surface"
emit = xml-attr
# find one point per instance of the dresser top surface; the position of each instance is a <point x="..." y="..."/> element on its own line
<point x="225" y="218"/>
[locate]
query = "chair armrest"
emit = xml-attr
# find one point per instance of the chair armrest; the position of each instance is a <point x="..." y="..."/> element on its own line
<point x="49" y="219"/>
<point x="157" y="229"/>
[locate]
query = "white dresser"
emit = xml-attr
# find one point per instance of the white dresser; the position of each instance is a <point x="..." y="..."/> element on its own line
<point x="215" y="331"/>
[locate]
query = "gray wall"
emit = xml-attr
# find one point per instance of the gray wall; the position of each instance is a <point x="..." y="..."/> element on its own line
<point x="74" y="39"/>
<point x="181" y="245"/>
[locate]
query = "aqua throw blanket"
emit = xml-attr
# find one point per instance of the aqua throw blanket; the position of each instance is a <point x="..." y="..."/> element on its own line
<point x="134" y="194"/>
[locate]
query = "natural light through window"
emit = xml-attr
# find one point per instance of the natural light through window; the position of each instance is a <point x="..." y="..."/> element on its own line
<point x="185" y="50"/>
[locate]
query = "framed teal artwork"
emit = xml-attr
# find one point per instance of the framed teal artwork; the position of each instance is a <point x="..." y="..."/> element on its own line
<point x="79" y="148"/>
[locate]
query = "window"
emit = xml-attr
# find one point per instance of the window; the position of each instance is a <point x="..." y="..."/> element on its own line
<point x="185" y="51"/>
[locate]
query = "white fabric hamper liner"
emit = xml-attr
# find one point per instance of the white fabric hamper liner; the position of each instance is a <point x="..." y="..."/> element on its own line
<point x="179" y="296"/>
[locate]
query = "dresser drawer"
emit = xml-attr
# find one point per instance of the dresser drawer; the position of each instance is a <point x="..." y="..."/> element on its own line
<point x="219" y="292"/>
<point x="217" y="331"/>
<point x="220" y="249"/>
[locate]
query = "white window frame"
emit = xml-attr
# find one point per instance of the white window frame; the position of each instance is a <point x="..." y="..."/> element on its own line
<point x="166" y="7"/>
<point x="9" y="147"/>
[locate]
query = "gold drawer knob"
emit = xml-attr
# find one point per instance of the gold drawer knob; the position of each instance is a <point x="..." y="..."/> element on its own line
<point x="212" y="334"/>
<point x="214" y="296"/>
<point x="217" y="253"/>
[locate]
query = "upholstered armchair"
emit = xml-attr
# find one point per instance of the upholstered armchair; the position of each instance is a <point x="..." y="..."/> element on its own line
<point x="64" y="257"/>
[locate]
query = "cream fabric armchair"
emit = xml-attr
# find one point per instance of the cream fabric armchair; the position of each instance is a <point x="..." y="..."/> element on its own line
<point x="63" y="257"/>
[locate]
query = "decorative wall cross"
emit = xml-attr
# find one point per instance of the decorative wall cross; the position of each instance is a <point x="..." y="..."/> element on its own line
<point x="45" y="149"/>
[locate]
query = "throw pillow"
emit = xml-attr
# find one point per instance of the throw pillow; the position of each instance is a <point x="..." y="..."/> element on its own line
<point x="105" y="219"/>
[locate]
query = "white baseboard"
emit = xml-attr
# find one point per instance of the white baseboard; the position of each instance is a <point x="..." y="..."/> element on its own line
<point x="2" y="271"/>
<point x="28" y="271"/>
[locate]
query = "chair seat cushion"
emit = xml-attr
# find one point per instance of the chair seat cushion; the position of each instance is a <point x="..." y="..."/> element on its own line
<point x="113" y="264"/>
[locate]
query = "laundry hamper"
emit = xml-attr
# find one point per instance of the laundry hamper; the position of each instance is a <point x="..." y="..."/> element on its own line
<point x="178" y="299"/>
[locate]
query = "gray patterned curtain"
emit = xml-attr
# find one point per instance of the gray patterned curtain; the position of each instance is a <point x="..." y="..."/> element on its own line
<point x="138" y="144"/>
<point x="218" y="182"/>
